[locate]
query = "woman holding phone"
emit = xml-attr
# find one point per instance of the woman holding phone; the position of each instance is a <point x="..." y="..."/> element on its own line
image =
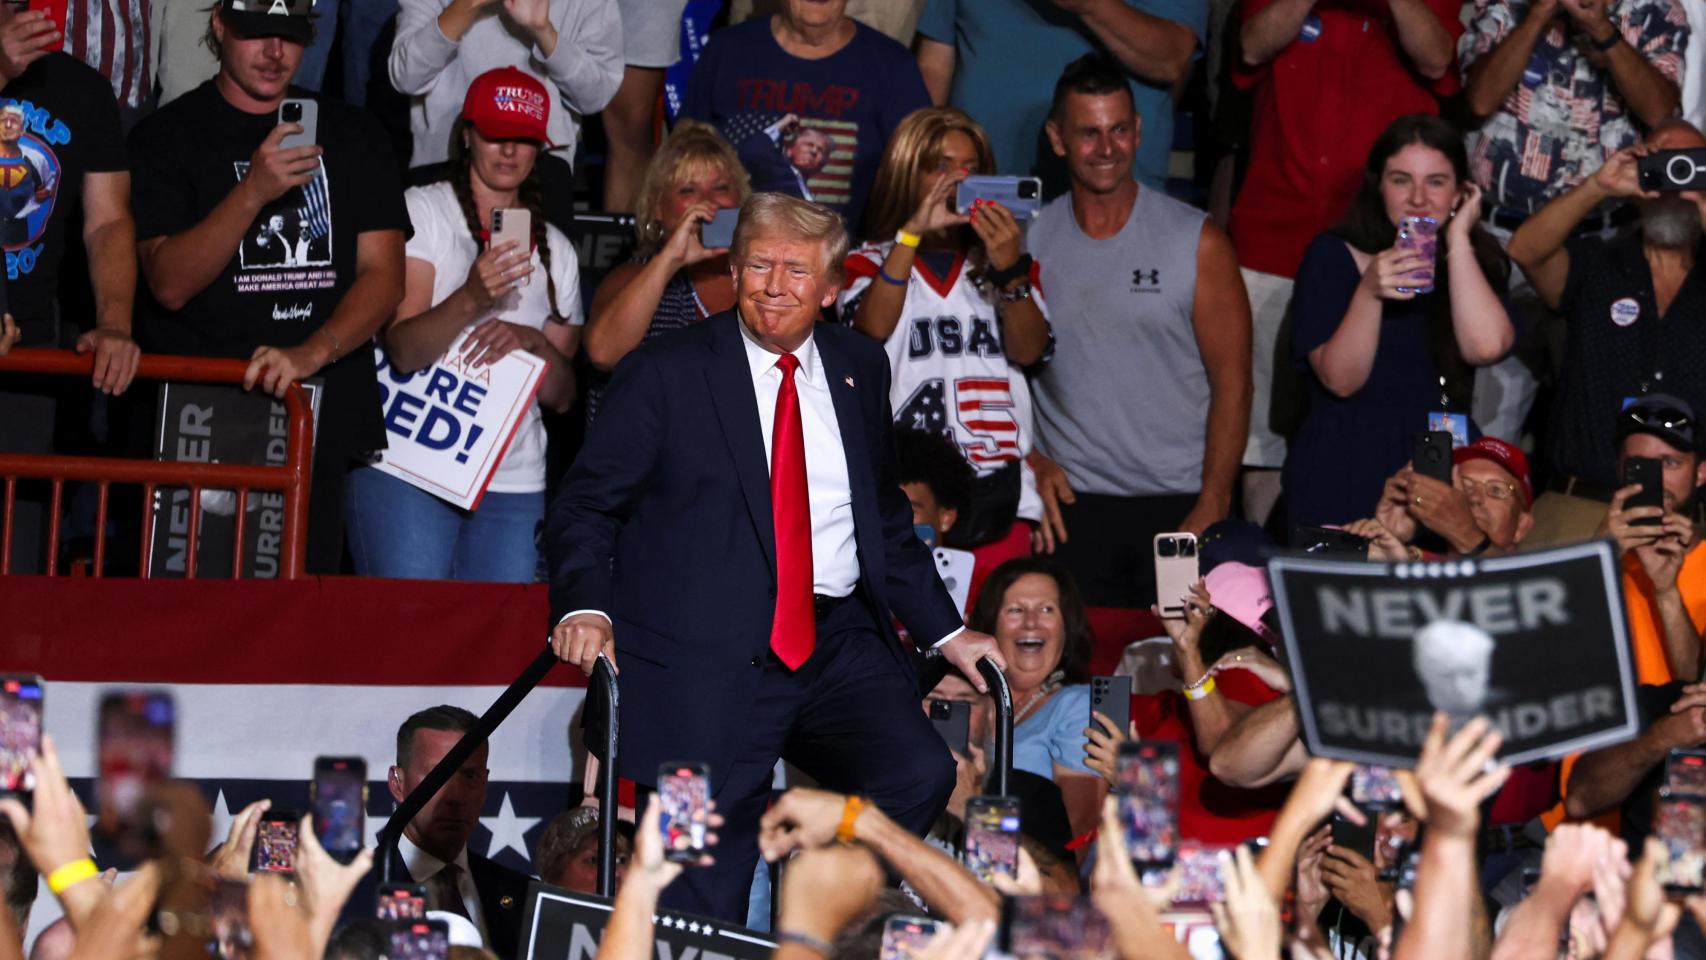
<point x="674" y="280"/>
<point x="504" y="298"/>
<point x="959" y="308"/>
<point x="1380" y="355"/>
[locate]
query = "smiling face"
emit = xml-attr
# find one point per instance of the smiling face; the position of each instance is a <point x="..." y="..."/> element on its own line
<point x="1418" y="181"/>
<point x="782" y="284"/>
<point x="1098" y="136"/>
<point x="501" y="165"/>
<point x="1031" y="630"/>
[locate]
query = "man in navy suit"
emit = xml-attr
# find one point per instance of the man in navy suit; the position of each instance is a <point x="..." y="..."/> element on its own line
<point x="734" y="527"/>
<point x="433" y="850"/>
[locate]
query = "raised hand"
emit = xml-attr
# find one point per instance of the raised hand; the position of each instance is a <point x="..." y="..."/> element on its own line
<point x="273" y="171"/>
<point x="934" y="212"/>
<point x="496" y="272"/>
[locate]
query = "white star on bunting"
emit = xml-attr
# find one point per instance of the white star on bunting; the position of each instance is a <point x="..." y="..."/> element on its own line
<point x="509" y="832"/>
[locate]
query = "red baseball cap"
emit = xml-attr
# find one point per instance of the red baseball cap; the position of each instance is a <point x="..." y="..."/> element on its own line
<point x="1506" y="455"/>
<point x="508" y="104"/>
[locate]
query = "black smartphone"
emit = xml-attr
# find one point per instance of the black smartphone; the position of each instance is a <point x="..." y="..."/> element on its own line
<point x="1052" y="926"/>
<point x="1433" y="455"/>
<point x="992" y="836"/>
<point x="1330" y="542"/>
<point x="684" y="789"/>
<point x="1353" y="837"/>
<point x="228" y="913"/>
<point x="137" y="732"/>
<point x="338" y="800"/>
<point x="419" y="940"/>
<point x="400" y="901"/>
<point x="719" y="232"/>
<point x="1668" y="171"/>
<point x="1649" y="474"/>
<point x="1680" y="824"/>
<point x="952" y="719"/>
<point x="275" y="842"/>
<point x="904" y="938"/>
<point x="1146" y="780"/>
<point x="1111" y="697"/>
<point x="20" y="732"/>
<point x="1375" y="788"/>
<point x="1685" y="773"/>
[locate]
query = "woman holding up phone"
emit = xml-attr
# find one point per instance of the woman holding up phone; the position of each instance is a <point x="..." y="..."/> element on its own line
<point x="674" y="280"/>
<point x="1382" y="356"/>
<point x="959" y="308"/>
<point x="504" y="297"/>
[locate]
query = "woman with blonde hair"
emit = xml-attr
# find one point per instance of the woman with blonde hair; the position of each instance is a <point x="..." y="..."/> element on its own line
<point x="673" y="281"/>
<point x="957" y="305"/>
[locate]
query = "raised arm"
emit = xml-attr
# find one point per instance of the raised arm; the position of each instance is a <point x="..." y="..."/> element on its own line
<point x="1423" y="37"/>
<point x="1495" y="74"/>
<point x="1538" y="246"/>
<point x="1271" y="29"/>
<point x="1220" y="318"/>
<point x="584" y="58"/>
<point x="1155" y="48"/>
<point x="936" y="64"/>
<point x="1479" y="320"/>
<point x="1650" y="94"/>
<point x="428" y="32"/>
<point x="1602" y="779"/>
<point x="180" y="266"/>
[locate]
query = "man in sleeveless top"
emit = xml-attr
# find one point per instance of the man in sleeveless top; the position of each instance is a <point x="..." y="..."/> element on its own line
<point x="1142" y="416"/>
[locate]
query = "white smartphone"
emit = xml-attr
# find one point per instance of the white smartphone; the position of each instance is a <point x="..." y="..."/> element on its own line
<point x="1175" y="571"/>
<point x="303" y="112"/>
<point x="512" y="223"/>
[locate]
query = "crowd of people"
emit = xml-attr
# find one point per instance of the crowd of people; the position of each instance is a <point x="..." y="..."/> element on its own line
<point x="1407" y="220"/>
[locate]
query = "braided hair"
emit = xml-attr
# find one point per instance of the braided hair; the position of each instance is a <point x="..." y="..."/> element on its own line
<point x="530" y="194"/>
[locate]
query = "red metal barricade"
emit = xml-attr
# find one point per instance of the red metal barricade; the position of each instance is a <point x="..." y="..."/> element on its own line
<point x="290" y="479"/>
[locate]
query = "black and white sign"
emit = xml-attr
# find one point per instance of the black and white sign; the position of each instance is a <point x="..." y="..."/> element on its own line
<point x="220" y="423"/>
<point x="1536" y="642"/>
<point x="562" y="925"/>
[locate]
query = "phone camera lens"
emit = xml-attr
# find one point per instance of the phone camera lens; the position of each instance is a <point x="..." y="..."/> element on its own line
<point x="1187" y="547"/>
<point x="1027" y="190"/>
<point x="293" y="111"/>
<point x="1167" y="547"/>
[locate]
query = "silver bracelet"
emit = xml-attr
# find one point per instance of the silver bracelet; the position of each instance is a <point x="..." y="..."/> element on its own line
<point x="337" y="348"/>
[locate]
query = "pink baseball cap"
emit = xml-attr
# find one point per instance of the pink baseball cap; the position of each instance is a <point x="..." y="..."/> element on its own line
<point x="1241" y="592"/>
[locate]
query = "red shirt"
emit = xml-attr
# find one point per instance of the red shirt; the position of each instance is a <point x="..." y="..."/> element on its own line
<point x="1320" y="105"/>
<point x="1210" y="811"/>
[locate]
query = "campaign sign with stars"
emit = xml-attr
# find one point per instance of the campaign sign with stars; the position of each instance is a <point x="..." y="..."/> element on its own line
<point x="449" y="424"/>
<point x="562" y="925"/>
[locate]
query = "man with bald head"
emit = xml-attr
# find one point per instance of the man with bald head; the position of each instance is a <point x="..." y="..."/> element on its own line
<point x="1632" y="311"/>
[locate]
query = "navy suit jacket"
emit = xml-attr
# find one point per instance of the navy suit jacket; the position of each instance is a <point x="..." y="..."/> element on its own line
<point x="664" y="524"/>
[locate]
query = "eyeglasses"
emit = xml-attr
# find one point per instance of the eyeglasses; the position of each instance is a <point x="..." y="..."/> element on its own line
<point x="1492" y="489"/>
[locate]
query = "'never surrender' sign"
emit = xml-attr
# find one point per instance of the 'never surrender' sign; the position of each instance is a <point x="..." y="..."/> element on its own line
<point x="1536" y="642"/>
<point x="563" y="925"/>
<point x="449" y="424"/>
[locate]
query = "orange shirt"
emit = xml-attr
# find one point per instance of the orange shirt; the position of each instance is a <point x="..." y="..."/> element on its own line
<point x="1645" y="633"/>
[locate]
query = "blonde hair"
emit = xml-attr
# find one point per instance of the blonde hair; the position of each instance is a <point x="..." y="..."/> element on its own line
<point x="690" y="146"/>
<point x="780" y="213"/>
<point x="917" y="146"/>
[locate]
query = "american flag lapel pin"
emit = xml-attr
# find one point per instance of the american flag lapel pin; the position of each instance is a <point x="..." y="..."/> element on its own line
<point x="850" y="381"/>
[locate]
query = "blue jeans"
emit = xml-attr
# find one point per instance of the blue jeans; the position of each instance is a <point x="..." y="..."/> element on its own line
<point x="399" y="530"/>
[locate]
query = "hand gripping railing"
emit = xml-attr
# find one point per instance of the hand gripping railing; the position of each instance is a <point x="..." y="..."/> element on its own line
<point x="1001" y="762"/>
<point x="604" y="673"/>
<point x="289" y="479"/>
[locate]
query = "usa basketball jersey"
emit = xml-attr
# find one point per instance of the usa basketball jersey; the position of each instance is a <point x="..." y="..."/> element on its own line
<point x="948" y="371"/>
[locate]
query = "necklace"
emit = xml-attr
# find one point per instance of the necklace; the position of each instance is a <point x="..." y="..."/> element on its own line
<point x="1025" y="708"/>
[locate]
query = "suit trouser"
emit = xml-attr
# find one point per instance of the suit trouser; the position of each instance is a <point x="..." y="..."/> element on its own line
<point x="852" y="719"/>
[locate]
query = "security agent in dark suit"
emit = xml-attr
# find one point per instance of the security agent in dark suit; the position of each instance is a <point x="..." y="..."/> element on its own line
<point x="433" y="850"/>
<point x="734" y="529"/>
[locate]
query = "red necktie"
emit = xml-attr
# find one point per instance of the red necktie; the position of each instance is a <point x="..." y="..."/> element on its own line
<point x="793" y="632"/>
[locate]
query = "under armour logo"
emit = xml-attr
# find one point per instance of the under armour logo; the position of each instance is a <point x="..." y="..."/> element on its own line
<point x="1137" y="277"/>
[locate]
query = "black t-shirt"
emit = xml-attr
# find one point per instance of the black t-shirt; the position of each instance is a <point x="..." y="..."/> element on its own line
<point x="1615" y="341"/>
<point x="296" y="260"/>
<point x="70" y="127"/>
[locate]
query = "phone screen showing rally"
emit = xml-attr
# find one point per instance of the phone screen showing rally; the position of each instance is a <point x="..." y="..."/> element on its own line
<point x="339" y="814"/>
<point x="275" y="846"/>
<point x="1147" y="783"/>
<point x="992" y="837"/>
<point x="20" y="732"/>
<point x="684" y="790"/>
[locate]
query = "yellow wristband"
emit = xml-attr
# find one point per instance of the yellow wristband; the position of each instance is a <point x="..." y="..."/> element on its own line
<point x="908" y="239"/>
<point x="849" y="816"/>
<point x="1201" y="689"/>
<point x="71" y="874"/>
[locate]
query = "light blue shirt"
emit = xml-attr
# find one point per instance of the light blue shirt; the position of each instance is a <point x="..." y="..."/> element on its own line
<point x="1054" y="734"/>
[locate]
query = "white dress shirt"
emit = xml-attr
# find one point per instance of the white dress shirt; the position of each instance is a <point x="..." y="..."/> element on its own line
<point x="835" y="555"/>
<point x="424" y="866"/>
